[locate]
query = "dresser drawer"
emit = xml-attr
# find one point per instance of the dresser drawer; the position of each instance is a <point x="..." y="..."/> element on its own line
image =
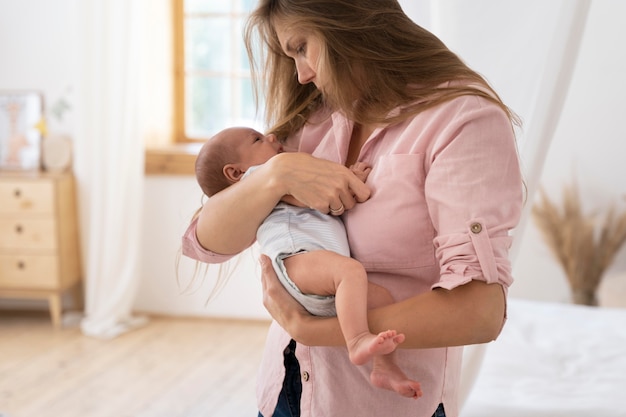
<point x="23" y="272"/>
<point x="27" y="233"/>
<point x="39" y="248"/>
<point x="22" y="196"/>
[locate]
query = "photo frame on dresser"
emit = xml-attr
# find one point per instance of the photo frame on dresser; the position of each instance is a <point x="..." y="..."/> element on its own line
<point x="21" y="130"/>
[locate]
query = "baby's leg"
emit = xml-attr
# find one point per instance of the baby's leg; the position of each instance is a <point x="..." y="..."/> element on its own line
<point x="328" y="273"/>
<point x="385" y="373"/>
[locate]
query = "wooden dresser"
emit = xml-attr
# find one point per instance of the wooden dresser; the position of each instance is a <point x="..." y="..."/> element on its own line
<point x="39" y="250"/>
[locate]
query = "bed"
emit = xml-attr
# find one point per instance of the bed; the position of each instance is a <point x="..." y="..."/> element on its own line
<point x="554" y="360"/>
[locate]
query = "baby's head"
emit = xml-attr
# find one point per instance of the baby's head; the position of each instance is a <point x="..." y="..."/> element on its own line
<point x="225" y="157"/>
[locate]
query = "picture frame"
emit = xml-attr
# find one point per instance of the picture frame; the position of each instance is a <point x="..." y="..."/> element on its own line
<point x="21" y="130"/>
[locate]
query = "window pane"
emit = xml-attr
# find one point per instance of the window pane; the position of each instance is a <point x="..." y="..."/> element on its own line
<point x="247" y="108"/>
<point x="216" y="103"/>
<point x="218" y="90"/>
<point x="243" y="62"/>
<point x="207" y="44"/>
<point x="207" y="6"/>
<point x="208" y="106"/>
<point x="218" y="6"/>
<point x="248" y="5"/>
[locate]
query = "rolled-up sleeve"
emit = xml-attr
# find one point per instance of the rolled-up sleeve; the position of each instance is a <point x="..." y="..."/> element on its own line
<point x="474" y="255"/>
<point x="192" y="248"/>
<point x="474" y="193"/>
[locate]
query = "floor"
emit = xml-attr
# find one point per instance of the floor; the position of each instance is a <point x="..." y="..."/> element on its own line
<point x="174" y="367"/>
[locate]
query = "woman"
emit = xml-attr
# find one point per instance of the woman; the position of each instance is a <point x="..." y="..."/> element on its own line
<point x="360" y="82"/>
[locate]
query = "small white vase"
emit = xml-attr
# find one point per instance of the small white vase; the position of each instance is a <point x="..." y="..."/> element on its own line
<point x="56" y="152"/>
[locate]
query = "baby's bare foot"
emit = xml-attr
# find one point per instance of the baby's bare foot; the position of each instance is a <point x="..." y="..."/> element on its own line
<point x="387" y="375"/>
<point x="365" y="347"/>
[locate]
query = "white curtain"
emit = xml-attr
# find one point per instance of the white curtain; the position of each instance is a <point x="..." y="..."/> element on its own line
<point x="528" y="50"/>
<point x="109" y="155"/>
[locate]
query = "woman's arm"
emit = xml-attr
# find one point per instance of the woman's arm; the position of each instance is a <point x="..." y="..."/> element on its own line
<point x="228" y="221"/>
<point x="469" y="314"/>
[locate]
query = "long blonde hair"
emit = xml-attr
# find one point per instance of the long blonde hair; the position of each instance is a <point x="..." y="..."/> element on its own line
<point x="375" y="58"/>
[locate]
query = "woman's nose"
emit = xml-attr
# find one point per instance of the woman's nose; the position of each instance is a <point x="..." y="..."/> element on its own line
<point x="305" y="73"/>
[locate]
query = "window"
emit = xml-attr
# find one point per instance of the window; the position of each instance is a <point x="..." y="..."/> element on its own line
<point x="212" y="81"/>
<point x="213" y="86"/>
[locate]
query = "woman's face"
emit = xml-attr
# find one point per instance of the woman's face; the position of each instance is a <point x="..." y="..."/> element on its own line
<point x="304" y="48"/>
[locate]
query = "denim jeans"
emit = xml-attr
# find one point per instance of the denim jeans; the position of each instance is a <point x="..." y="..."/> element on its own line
<point x="439" y="411"/>
<point x="289" y="398"/>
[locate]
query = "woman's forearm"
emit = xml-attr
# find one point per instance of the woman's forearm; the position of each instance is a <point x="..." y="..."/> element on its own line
<point x="229" y="219"/>
<point x="469" y="314"/>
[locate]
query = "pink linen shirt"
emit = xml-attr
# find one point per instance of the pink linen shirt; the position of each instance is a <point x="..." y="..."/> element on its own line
<point x="446" y="191"/>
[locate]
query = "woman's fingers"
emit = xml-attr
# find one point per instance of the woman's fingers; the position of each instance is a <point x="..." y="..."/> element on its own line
<point x="268" y="279"/>
<point x="278" y="302"/>
<point x="348" y="197"/>
<point x="319" y="184"/>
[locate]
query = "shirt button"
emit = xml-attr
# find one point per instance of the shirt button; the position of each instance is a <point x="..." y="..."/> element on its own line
<point x="305" y="376"/>
<point x="476" y="228"/>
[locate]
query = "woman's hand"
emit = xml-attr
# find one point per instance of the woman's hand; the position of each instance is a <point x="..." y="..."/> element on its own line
<point x="298" y="323"/>
<point x="278" y="302"/>
<point x="317" y="183"/>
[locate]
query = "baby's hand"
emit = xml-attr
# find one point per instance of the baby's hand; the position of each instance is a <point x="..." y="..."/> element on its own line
<point x="361" y="170"/>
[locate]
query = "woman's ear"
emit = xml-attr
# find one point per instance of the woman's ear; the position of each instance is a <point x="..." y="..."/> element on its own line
<point x="232" y="172"/>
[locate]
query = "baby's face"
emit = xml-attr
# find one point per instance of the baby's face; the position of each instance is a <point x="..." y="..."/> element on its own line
<point x="253" y="147"/>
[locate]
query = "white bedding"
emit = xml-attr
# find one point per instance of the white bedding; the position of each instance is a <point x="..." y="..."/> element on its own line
<point x="554" y="360"/>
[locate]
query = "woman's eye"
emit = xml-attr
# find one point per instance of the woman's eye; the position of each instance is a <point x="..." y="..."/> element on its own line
<point x="301" y="49"/>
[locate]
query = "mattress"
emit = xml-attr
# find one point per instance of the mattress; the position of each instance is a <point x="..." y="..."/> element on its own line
<point x="554" y="360"/>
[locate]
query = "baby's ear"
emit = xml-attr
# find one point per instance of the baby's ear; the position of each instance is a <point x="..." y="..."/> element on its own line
<point x="232" y="172"/>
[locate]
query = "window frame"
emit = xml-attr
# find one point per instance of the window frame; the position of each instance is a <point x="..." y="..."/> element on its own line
<point x="179" y="157"/>
<point x="181" y="77"/>
<point x="178" y="58"/>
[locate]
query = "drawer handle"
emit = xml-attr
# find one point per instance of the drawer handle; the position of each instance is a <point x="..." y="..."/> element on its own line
<point x="21" y="265"/>
<point x="17" y="193"/>
<point x="19" y="229"/>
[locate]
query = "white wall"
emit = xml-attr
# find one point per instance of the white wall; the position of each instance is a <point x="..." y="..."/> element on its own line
<point x="510" y="52"/>
<point x="170" y="204"/>
<point x="37" y="47"/>
<point x="37" y="51"/>
<point x="589" y="146"/>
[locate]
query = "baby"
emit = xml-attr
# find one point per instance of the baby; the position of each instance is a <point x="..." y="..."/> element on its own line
<point x="310" y="254"/>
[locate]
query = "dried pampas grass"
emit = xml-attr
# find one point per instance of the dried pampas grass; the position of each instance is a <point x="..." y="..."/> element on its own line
<point x="584" y="245"/>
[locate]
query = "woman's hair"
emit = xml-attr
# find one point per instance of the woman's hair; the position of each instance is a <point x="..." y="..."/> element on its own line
<point x="210" y="163"/>
<point x="213" y="156"/>
<point x="374" y="57"/>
